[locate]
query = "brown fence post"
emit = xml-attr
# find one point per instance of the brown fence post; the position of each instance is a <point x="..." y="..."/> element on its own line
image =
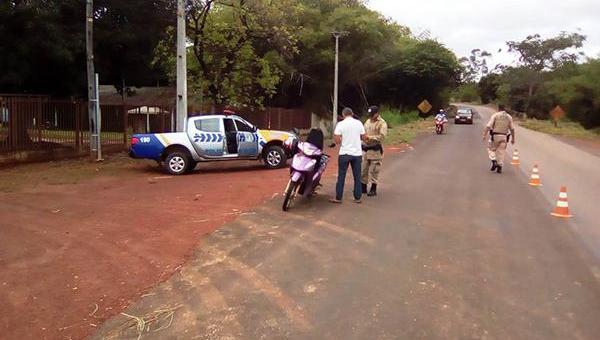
<point x="38" y="118"/>
<point x="125" y="125"/>
<point x="77" y="125"/>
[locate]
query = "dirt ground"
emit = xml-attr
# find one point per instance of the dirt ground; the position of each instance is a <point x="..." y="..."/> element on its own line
<point x="77" y="251"/>
<point x="79" y="241"/>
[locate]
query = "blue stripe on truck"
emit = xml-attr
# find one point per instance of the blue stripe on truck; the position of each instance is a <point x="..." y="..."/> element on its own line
<point x="149" y="146"/>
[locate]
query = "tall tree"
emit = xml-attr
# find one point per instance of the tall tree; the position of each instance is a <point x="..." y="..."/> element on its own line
<point x="239" y="47"/>
<point x="41" y="47"/>
<point x="126" y="34"/>
<point x="475" y="66"/>
<point x="537" y="55"/>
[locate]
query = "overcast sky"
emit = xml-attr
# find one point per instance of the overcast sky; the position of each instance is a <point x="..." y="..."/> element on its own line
<point x="463" y="25"/>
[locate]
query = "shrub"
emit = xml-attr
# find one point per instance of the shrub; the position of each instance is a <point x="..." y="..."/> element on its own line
<point x="394" y="117"/>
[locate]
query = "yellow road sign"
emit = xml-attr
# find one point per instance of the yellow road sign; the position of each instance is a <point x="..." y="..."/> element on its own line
<point x="424" y="107"/>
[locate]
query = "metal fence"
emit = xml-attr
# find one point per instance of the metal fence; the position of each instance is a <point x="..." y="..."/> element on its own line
<point x="34" y="128"/>
<point x="41" y="128"/>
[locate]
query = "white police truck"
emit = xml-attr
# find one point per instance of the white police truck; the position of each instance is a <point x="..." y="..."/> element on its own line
<point x="212" y="138"/>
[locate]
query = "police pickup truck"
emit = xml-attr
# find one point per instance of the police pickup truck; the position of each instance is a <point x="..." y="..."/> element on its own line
<point x="211" y="138"/>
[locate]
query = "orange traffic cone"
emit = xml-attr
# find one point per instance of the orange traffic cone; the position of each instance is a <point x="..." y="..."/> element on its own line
<point x="515" y="159"/>
<point x="535" y="177"/>
<point x="562" y="205"/>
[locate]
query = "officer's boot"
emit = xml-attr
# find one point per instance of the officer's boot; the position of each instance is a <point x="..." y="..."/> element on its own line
<point x="373" y="191"/>
<point x="499" y="169"/>
<point x="494" y="165"/>
<point x="364" y="188"/>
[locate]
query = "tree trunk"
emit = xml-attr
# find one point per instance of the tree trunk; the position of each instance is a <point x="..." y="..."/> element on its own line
<point x="529" y="95"/>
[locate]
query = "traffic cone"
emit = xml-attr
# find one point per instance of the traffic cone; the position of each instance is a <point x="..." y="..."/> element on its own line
<point x="515" y="159"/>
<point x="535" y="177"/>
<point x="562" y="205"/>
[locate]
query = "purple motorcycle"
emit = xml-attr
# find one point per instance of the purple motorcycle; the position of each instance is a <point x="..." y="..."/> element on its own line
<point x="308" y="165"/>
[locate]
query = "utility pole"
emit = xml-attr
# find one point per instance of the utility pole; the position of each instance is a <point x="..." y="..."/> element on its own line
<point x="181" y="68"/>
<point x="91" y="79"/>
<point x="337" y="36"/>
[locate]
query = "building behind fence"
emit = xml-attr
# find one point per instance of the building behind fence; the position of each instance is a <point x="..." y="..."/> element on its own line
<point x="37" y="128"/>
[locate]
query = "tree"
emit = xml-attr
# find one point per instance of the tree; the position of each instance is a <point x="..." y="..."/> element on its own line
<point x="475" y="66"/>
<point x="577" y="89"/>
<point x="537" y="55"/>
<point x="426" y="70"/>
<point x="49" y="55"/>
<point x="239" y="47"/>
<point x="488" y="87"/>
<point x="126" y="34"/>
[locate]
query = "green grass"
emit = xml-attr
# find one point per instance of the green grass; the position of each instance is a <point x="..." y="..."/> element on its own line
<point x="565" y="128"/>
<point x="404" y="127"/>
<point x="396" y="118"/>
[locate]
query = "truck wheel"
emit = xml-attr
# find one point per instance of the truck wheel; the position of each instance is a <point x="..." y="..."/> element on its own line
<point x="275" y="157"/>
<point x="177" y="163"/>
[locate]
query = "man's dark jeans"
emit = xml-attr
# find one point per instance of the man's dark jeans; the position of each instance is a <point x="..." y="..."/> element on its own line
<point x="343" y="162"/>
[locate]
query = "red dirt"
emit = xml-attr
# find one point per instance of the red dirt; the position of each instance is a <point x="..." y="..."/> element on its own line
<point x="72" y="256"/>
<point x="66" y="249"/>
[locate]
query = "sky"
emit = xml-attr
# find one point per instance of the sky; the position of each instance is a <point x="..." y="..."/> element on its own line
<point x="463" y="25"/>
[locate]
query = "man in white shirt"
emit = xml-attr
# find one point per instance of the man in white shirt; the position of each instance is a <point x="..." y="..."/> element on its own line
<point x="349" y="133"/>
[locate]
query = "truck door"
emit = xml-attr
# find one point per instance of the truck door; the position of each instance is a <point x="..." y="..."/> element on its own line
<point x="207" y="136"/>
<point x="247" y="139"/>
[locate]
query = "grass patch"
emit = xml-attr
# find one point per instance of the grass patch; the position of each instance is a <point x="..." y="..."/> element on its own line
<point x="404" y="127"/>
<point x="565" y="128"/>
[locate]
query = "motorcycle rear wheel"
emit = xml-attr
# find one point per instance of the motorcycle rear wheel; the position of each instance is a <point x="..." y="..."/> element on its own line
<point x="290" y="192"/>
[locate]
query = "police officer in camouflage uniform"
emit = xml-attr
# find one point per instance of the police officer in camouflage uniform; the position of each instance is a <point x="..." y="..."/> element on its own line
<point x="376" y="130"/>
<point x="500" y="128"/>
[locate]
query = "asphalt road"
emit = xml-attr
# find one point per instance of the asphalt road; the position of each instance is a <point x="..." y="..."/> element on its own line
<point x="447" y="251"/>
<point x="563" y="164"/>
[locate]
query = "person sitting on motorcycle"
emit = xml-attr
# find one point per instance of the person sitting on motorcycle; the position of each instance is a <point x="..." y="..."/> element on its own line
<point x="442" y="115"/>
<point x="316" y="138"/>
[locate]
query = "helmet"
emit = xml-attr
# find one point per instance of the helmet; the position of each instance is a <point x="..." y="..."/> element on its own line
<point x="441" y="110"/>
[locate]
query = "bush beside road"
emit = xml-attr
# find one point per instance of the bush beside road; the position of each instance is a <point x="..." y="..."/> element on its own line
<point x="404" y="127"/>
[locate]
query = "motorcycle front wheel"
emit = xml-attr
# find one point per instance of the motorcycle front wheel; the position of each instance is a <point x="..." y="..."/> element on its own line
<point x="290" y="192"/>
